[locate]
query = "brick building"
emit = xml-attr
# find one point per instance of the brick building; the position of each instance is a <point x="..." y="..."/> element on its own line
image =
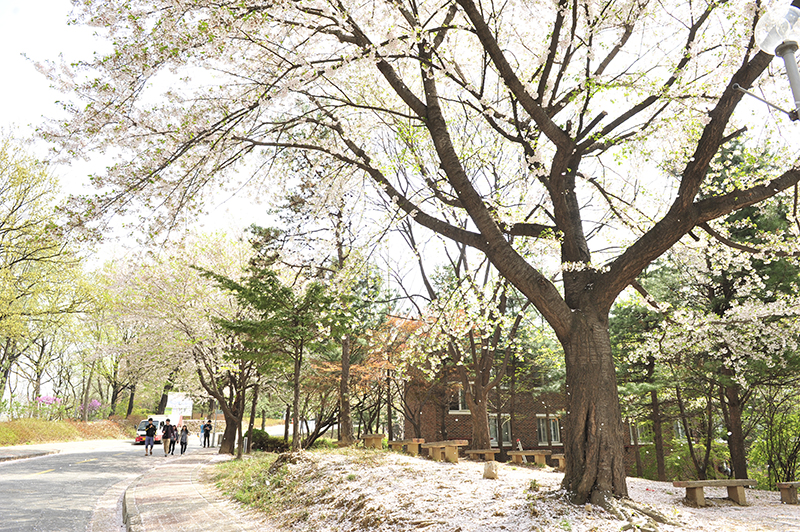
<point x="533" y="419"/>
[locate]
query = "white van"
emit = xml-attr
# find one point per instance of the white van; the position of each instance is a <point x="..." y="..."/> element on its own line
<point x="158" y="421"/>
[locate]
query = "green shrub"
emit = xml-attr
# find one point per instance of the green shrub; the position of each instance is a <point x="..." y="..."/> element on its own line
<point x="679" y="463"/>
<point x="271" y="444"/>
<point x="324" y="443"/>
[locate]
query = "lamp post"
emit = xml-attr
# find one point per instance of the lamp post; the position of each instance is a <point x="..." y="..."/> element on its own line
<point x="778" y="33"/>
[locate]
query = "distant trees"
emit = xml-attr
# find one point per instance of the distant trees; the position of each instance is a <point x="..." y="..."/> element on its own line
<point x="280" y="325"/>
<point x="41" y="282"/>
<point x="723" y="322"/>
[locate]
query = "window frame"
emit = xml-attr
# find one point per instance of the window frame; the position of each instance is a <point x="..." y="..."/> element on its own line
<point x="462" y="403"/>
<point x="504" y="428"/>
<point x="555" y="430"/>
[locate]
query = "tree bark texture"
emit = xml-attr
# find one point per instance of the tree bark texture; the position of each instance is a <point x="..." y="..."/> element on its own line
<point x="132" y="394"/>
<point x="594" y="445"/>
<point x="736" y="444"/>
<point x="479" y="414"/>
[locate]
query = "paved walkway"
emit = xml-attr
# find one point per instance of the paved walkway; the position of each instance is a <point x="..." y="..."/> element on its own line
<point x="171" y="497"/>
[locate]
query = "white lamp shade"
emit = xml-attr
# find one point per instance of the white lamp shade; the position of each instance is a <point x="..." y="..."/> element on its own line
<point x="778" y="25"/>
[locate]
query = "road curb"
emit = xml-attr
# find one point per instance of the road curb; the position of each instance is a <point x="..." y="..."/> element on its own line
<point x="132" y="520"/>
<point x="33" y="454"/>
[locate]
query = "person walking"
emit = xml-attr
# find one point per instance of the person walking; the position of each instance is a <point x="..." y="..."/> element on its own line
<point x="149" y="436"/>
<point x="173" y="440"/>
<point x="184" y="438"/>
<point x="167" y="436"/>
<point x="207" y="434"/>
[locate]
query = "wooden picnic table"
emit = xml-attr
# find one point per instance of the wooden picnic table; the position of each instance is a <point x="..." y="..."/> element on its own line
<point x="694" y="489"/>
<point x="539" y="455"/>
<point x="373" y="441"/>
<point x="484" y="454"/>
<point x="445" y="450"/>
<point x="411" y="445"/>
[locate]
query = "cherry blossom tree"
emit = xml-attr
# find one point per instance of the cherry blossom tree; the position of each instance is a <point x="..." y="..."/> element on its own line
<point x="532" y="132"/>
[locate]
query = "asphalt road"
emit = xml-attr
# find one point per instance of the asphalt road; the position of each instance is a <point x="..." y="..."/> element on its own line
<point x="78" y="489"/>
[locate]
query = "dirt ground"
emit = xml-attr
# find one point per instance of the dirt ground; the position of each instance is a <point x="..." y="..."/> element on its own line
<point x="383" y="491"/>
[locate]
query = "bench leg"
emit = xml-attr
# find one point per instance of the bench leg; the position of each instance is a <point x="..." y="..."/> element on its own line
<point x="789" y="495"/>
<point x="436" y="453"/>
<point x="412" y="449"/>
<point x="451" y="454"/>
<point x="695" y="496"/>
<point x="736" y="494"/>
<point x="540" y="459"/>
<point x="516" y="459"/>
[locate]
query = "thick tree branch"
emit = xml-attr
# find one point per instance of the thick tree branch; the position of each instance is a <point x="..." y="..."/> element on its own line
<point x="484" y="33"/>
<point x="684" y="214"/>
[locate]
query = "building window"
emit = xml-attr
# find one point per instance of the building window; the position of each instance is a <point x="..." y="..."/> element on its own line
<point x="555" y="430"/>
<point x="504" y="421"/>
<point x="458" y="403"/>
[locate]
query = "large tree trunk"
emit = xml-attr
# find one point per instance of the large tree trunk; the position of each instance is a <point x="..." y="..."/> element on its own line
<point x="228" y="444"/>
<point x="168" y="386"/>
<point x="735" y="434"/>
<point x="345" y="418"/>
<point x="480" y="422"/>
<point x="593" y="442"/>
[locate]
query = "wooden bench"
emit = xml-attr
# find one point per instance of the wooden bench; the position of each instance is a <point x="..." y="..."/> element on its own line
<point x="539" y="456"/>
<point x="562" y="461"/>
<point x="373" y="441"/>
<point x="412" y="445"/>
<point x="694" y="489"/>
<point x="445" y="450"/>
<point x="788" y="492"/>
<point x="484" y="454"/>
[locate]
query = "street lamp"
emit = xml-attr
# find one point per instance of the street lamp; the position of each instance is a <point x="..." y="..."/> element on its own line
<point x="778" y="33"/>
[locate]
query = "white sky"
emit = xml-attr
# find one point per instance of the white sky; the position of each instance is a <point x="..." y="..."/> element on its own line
<point x="38" y="29"/>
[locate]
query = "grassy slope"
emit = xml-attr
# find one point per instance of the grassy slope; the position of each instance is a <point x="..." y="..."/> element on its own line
<point x="28" y="431"/>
